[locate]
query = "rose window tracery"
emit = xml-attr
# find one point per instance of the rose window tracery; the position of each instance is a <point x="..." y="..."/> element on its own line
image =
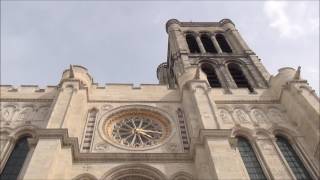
<point x="137" y="132"/>
<point x="137" y="128"/>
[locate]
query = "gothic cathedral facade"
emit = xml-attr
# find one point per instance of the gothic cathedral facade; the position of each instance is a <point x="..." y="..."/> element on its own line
<point x="216" y="114"/>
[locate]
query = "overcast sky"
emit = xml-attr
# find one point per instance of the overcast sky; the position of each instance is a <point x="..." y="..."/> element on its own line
<point x="124" y="42"/>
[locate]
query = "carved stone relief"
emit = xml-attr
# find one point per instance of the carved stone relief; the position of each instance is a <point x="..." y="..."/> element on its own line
<point x="172" y="147"/>
<point x="25" y="114"/>
<point x="106" y="107"/>
<point x="259" y="116"/>
<point x="7" y="112"/>
<point x="241" y="116"/>
<point x="102" y="147"/>
<point x="225" y="116"/>
<point x="275" y="115"/>
<point x="256" y="115"/>
<point x="13" y="114"/>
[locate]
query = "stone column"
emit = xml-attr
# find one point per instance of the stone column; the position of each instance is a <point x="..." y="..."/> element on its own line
<point x="199" y="42"/>
<point x="248" y="74"/>
<point x="228" y="77"/>
<point x="216" y="44"/>
<point x="7" y="144"/>
<point x="223" y="78"/>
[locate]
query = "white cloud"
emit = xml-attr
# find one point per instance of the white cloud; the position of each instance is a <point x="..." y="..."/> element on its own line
<point x="292" y="19"/>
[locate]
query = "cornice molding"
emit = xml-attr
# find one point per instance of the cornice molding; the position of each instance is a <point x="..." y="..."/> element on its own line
<point x="78" y="156"/>
<point x="25" y="100"/>
<point x="214" y="133"/>
<point x="133" y="101"/>
<point x="248" y="102"/>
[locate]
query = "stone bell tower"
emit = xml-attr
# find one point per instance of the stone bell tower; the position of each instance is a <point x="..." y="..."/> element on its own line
<point x="216" y="114"/>
<point x="192" y="44"/>
<point x="226" y="91"/>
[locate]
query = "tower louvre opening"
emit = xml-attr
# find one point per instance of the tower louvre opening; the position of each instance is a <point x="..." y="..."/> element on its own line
<point x="192" y="44"/>
<point x="238" y="76"/>
<point x="224" y="45"/>
<point x="207" y="43"/>
<point x="211" y="75"/>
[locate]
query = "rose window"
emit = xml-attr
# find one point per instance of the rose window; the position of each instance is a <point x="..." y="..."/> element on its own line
<point x="137" y="129"/>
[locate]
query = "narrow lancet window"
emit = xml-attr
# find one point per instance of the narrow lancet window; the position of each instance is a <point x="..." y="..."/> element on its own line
<point x="224" y="45"/>
<point x="207" y="43"/>
<point x="86" y="144"/>
<point x="292" y="159"/>
<point x="250" y="160"/>
<point x="192" y="44"/>
<point x="16" y="160"/>
<point x="211" y="75"/>
<point x="239" y="77"/>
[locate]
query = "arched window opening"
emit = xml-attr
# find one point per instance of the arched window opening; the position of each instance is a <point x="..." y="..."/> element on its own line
<point x="192" y="44"/>
<point x="85" y="176"/>
<point x="224" y="45"/>
<point x="238" y="76"/>
<point x="250" y="160"/>
<point x="16" y="160"/>
<point x="207" y="43"/>
<point x="211" y="75"/>
<point x="134" y="177"/>
<point x="292" y="159"/>
<point x="134" y="172"/>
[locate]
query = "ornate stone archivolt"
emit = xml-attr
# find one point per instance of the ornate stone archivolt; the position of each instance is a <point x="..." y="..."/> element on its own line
<point x="134" y="172"/>
<point x="181" y="176"/>
<point x="106" y="107"/>
<point x="136" y="127"/>
<point x="85" y="176"/>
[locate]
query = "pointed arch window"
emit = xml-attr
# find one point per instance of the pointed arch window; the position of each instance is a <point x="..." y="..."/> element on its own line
<point x="250" y="160"/>
<point x="295" y="164"/>
<point x="239" y="77"/>
<point x="224" y="45"/>
<point x="16" y="160"/>
<point x="192" y="44"/>
<point x="207" y="43"/>
<point x="211" y="75"/>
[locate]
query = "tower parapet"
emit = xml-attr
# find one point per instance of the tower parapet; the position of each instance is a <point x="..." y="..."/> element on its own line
<point x="77" y="72"/>
<point x="162" y="73"/>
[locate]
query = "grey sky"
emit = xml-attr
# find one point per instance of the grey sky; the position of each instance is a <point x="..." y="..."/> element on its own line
<point x="123" y="42"/>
